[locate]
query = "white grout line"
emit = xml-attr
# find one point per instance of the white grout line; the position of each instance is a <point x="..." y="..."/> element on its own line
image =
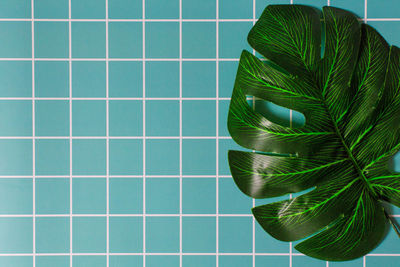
<point x="115" y="98"/>
<point x="126" y="20"/>
<point x="33" y="138"/>
<point x="70" y="135"/>
<point x="122" y="215"/>
<point x="144" y="126"/>
<point x="170" y="254"/>
<point x="111" y="176"/>
<point x="159" y="20"/>
<point x="217" y="20"/>
<point x="112" y="137"/>
<point x="107" y="142"/>
<point x="116" y="59"/>
<point x="180" y="136"/>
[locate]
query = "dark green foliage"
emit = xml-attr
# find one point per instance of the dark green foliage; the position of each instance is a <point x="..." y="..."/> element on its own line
<point x="351" y="102"/>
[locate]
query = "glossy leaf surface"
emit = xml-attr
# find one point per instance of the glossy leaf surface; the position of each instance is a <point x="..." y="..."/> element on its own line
<point x="350" y="98"/>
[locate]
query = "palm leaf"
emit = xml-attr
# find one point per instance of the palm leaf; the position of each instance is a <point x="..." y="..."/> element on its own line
<point x="350" y="98"/>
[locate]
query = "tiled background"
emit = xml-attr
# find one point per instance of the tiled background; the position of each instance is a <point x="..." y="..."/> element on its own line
<point x="113" y="136"/>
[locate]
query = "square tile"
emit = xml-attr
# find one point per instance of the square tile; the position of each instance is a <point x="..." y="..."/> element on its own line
<point x="223" y="110"/>
<point x="235" y="261"/>
<point x="125" y="79"/>
<point x="52" y="118"/>
<point x="52" y="196"/>
<point x="388" y="246"/>
<point x="52" y="235"/>
<point x="162" y="234"/>
<point x="227" y="76"/>
<point x="50" y="261"/>
<point x="89" y="157"/>
<point x="125" y="118"/>
<point x="314" y="3"/>
<point x="198" y="40"/>
<point x="162" y="40"/>
<point x="89" y="261"/>
<point x="359" y="262"/>
<point x="396" y="162"/>
<point x="15" y="9"/>
<point x="52" y="156"/>
<point x="125" y="39"/>
<point x="162" y="9"/>
<point x="233" y="38"/>
<point x="16" y="196"/>
<point x="198" y="118"/>
<point x="51" y="79"/>
<point x="50" y="9"/>
<point x="89" y="195"/>
<point x="126" y="234"/>
<point x="224" y="146"/>
<point x="264" y="243"/>
<point x="198" y="195"/>
<point x="199" y="78"/>
<point x="16" y="235"/>
<point x="126" y="157"/>
<point x="231" y="199"/>
<point x="88" y="39"/>
<point x="16" y="118"/>
<point x="89" y="235"/>
<point x="162" y="195"/>
<point x="162" y="118"/>
<point x="383" y="9"/>
<point x="162" y="157"/>
<point x="272" y="261"/>
<point x="356" y="6"/>
<point x="307" y="261"/>
<point x="118" y="261"/>
<point x="162" y="79"/>
<point x="126" y="195"/>
<point x="165" y="261"/>
<point x="125" y="9"/>
<point x="16" y="157"/>
<point x="234" y="235"/>
<point x="11" y="84"/>
<point x="262" y="4"/>
<point x="51" y="39"/>
<point x="198" y="261"/>
<point x="17" y="39"/>
<point x="89" y="79"/>
<point x="88" y="9"/>
<point x="193" y="9"/>
<point x="388" y="29"/>
<point x="88" y="118"/>
<point x="17" y="261"/>
<point x="198" y="157"/>
<point x="240" y="9"/>
<point x="199" y="234"/>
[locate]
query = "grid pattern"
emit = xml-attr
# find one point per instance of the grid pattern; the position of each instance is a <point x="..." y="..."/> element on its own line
<point x="113" y="134"/>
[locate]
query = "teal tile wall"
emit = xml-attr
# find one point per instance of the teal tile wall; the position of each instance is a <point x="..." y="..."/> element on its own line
<point x="113" y="137"/>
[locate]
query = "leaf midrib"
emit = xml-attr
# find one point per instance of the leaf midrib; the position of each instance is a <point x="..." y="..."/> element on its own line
<point x="362" y="177"/>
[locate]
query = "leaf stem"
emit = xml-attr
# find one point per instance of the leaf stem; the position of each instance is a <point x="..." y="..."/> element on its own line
<point x="393" y="223"/>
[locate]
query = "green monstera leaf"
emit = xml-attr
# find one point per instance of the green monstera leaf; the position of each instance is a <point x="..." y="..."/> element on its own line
<point x="350" y="98"/>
